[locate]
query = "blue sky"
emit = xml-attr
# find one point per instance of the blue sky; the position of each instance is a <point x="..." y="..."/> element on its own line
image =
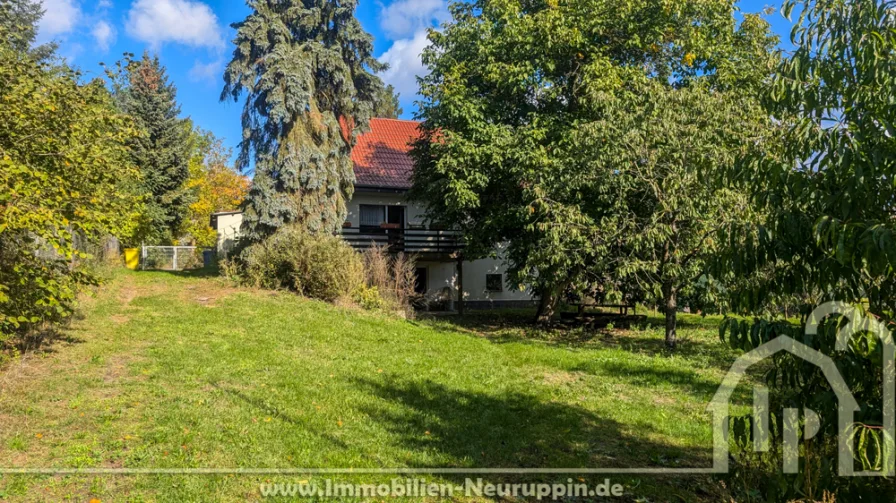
<point x="192" y="38"/>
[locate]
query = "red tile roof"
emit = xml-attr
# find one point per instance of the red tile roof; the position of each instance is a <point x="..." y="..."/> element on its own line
<point x="381" y="155"/>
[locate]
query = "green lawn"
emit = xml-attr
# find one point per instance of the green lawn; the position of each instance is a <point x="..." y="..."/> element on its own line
<point x="177" y="371"/>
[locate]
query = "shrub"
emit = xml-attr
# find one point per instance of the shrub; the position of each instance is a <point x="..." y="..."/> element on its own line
<point x="65" y="178"/>
<point x="368" y="298"/>
<point x="321" y="267"/>
<point x="394" y="278"/>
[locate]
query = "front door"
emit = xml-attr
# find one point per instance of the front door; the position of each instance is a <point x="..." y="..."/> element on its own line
<point x="395" y="224"/>
<point x="395" y="215"/>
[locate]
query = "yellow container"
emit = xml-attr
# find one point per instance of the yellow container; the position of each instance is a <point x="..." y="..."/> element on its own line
<point x="132" y="258"/>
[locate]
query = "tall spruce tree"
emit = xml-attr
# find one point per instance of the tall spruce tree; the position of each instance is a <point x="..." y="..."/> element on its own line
<point x="307" y="68"/>
<point x="18" y="22"/>
<point x="162" y="152"/>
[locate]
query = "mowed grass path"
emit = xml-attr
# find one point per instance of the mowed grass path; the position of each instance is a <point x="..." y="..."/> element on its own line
<point x="173" y="371"/>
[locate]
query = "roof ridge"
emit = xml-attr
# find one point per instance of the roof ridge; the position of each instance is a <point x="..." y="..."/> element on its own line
<point x="395" y="120"/>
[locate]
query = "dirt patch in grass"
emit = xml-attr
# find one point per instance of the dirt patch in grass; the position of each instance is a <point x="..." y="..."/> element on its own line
<point x="21" y="370"/>
<point x="207" y="293"/>
<point x="559" y="378"/>
<point x="127" y="295"/>
<point x="664" y="400"/>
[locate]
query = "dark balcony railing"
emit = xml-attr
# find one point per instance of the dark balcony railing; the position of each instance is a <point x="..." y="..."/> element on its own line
<point x="411" y="241"/>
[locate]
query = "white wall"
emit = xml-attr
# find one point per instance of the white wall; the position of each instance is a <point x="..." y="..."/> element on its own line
<point x="413" y="213"/>
<point x="440" y="274"/>
<point x="228" y="231"/>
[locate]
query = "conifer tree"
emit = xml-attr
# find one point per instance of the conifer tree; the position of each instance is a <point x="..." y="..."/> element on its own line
<point x="18" y="22"/>
<point x="162" y="150"/>
<point x="389" y="105"/>
<point x="306" y="67"/>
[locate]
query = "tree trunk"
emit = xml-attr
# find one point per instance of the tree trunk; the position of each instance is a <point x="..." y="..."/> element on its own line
<point x="670" y="307"/>
<point x="547" y="305"/>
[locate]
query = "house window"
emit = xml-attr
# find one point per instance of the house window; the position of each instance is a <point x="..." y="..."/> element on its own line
<point x="373" y="215"/>
<point x="494" y="283"/>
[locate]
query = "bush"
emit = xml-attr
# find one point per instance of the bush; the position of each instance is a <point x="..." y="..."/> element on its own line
<point x="324" y="267"/>
<point x="393" y="277"/>
<point x="65" y="179"/>
<point x="368" y="298"/>
<point x="320" y="267"/>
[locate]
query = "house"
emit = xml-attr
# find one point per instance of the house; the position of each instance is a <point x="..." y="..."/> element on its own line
<point x="380" y="214"/>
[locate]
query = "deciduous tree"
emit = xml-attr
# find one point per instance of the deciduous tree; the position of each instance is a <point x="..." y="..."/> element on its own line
<point x="215" y="187"/>
<point x="827" y="190"/>
<point x="514" y="86"/>
<point x="660" y="153"/>
<point x="64" y="178"/>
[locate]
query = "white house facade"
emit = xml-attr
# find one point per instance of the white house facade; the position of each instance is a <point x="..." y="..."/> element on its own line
<point x="380" y="214"/>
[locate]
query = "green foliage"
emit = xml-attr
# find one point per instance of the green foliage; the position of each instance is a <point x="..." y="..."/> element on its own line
<point x="388" y="105"/>
<point x="306" y="68"/>
<point x="799" y="384"/>
<point x="161" y="151"/>
<point x="657" y="155"/>
<point x="320" y="266"/>
<point x="214" y="187"/>
<point x="18" y="24"/>
<point x="368" y="298"/>
<point x="64" y="168"/>
<point x="828" y="185"/>
<point x="826" y="191"/>
<point x="522" y="111"/>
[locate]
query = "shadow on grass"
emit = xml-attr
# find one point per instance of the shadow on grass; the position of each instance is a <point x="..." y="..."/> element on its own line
<point x="709" y="351"/>
<point x="45" y="340"/>
<point x="205" y="272"/>
<point x="262" y="407"/>
<point x="647" y="375"/>
<point x="508" y="326"/>
<point x="515" y="430"/>
<point x="516" y="326"/>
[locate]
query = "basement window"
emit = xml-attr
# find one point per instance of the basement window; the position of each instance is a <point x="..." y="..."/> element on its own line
<point x="494" y="283"/>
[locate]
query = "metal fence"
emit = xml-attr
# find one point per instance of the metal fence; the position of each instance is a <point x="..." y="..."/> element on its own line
<point x="171" y="258"/>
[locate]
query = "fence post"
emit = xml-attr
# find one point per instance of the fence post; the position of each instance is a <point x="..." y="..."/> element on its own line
<point x="175" y="258"/>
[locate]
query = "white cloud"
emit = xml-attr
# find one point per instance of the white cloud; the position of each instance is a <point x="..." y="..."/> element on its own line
<point x="404" y="18"/>
<point x="104" y="34"/>
<point x="60" y="18"/>
<point x="181" y="21"/>
<point x="207" y="72"/>
<point x="405" y="65"/>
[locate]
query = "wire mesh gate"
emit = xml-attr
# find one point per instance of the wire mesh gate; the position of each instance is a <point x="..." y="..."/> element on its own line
<point x="170" y="258"/>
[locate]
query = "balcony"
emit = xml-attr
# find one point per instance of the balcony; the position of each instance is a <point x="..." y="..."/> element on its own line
<point x="431" y="244"/>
